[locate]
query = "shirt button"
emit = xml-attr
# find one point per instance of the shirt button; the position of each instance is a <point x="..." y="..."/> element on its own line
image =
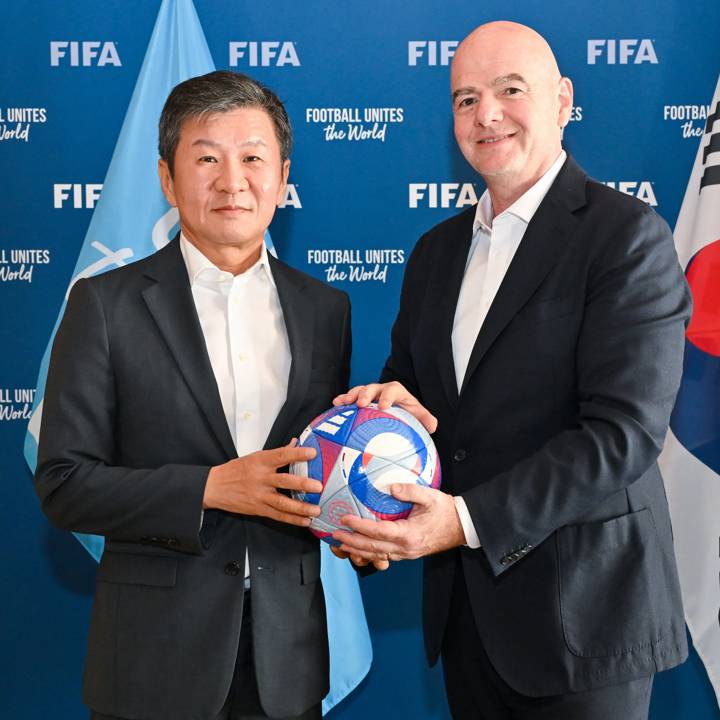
<point x="232" y="568"/>
<point x="246" y="415"/>
<point x="242" y="357"/>
<point x="459" y="455"/>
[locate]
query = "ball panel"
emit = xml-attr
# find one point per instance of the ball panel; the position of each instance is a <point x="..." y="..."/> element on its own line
<point x="389" y="445"/>
<point x="369" y="484"/>
<point x="314" y="468"/>
<point x="335" y="425"/>
<point x="434" y="466"/>
<point x="388" y="437"/>
<point x="328" y="452"/>
<point x="326" y="536"/>
<point x="337" y="482"/>
<point x="413" y="422"/>
<point x="337" y="501"/>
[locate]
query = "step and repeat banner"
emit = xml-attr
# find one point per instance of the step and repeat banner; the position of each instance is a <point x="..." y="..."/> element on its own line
<point x="374" y="165"/>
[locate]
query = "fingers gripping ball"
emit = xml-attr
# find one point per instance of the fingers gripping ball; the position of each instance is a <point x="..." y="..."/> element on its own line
<point x="360" y="452"/>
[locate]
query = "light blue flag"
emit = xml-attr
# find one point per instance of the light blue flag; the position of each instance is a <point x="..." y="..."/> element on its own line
<point x="132" y="220"/>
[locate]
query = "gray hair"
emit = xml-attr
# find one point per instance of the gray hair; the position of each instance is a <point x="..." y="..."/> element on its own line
<point x="218" y="92"/>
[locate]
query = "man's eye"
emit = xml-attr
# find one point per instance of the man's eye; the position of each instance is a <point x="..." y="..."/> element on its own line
<point x="512" y="91"/>
<point x="208" y="159"/>
<point x="465" y="102"/>
<point x="251" y="158"/>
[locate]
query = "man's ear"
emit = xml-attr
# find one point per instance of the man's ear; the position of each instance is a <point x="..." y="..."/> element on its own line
<point x="283" y="183"/>
<point x="565" y="101"/>
<point x="166" y="182"/>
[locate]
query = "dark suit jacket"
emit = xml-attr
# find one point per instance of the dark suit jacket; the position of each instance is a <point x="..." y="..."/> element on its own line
<point x="132" y="422"/>
<point x="552" y="441"/>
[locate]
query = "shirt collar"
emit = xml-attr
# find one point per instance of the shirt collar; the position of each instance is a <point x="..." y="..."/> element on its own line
<point x="200" y="267"/>
<point x="525" y="206"/>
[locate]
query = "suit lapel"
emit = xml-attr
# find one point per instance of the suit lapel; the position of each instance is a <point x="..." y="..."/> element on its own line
<point x="545" y="239"/>
<point x="300" y="324"/>
<point x="170" y="302"/>
<point x="451" y="281"/>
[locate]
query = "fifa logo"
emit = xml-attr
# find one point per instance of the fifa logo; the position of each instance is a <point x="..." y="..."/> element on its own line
<point x="83" y="196"/>
<point x="641" y="190"/>
<point x="622" y="52"/>
<point x="291" y="199"/>
<point x="263" y="54"/>
<point x="711" y="173"/>
<point x="85" y="53"/>
<point x="432" y="52"/>
<point x="444" y="195"/>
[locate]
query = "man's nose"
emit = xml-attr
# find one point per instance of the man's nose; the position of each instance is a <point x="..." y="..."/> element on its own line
<point x="232" y="178"/>
<point x="488" y="110"/>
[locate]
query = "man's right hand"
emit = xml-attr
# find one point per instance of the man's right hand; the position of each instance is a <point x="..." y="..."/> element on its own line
<point x="249" y="486"/>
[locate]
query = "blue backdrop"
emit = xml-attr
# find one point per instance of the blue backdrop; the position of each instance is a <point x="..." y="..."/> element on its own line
<point x="375" y="164"/>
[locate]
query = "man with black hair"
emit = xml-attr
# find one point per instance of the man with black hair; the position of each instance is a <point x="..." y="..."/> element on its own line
<point x="175" y="388"/>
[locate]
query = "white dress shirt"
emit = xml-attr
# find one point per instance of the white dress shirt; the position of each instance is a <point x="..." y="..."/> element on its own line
<point x="246" y="338"/>
<point x="494" y="243"/>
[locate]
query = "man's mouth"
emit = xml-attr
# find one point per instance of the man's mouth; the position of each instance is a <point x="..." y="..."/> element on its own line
<point x="491" y="140"/>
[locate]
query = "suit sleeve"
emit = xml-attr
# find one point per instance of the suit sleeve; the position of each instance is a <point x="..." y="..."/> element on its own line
<point x="628" y="357"/>
<point x="79" y="485"/>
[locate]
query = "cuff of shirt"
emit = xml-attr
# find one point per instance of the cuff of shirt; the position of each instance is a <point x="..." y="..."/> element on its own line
<point x="471" y="537"/>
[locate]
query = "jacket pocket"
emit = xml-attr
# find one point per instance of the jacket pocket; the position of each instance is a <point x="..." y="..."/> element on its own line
<point x="130" y="569"/>
<point x="611" y="585"/>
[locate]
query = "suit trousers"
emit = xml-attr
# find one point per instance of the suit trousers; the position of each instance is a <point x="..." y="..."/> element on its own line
<point x="475" y="691"/>
<point x="243" y="701"/>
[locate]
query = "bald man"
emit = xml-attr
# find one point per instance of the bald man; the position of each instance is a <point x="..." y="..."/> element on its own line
<point x="540" y="334"/>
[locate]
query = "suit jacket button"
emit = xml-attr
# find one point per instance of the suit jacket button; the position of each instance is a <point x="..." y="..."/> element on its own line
<point x="232" y="568"/>
<point x="172" y="543"/>
<point x="459" y="455"/>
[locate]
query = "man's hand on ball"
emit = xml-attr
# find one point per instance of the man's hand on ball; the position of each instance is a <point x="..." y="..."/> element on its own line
<point x="385" y="395"/>
<point x="249" y="485"/>
<point x="359" y="561"/>
<point x="432" y="526"/>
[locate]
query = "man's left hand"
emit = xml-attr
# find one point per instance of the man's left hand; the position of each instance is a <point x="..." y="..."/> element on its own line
<point x="432" y="526"/>
<point x="359" y="561"/>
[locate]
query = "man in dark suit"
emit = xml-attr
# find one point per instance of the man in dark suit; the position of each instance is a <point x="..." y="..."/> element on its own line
<point x="167" y="379"/>
<point x="541" y="332"/>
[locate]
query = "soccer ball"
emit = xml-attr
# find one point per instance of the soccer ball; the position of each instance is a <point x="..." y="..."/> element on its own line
<point x="360" y="453"/>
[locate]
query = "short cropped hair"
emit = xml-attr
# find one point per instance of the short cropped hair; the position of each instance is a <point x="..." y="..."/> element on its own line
<point x="218" y="92"/>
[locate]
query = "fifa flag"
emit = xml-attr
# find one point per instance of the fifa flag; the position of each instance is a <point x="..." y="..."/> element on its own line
<point x="132" y="220"/>
<point x="690" y="460"/>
